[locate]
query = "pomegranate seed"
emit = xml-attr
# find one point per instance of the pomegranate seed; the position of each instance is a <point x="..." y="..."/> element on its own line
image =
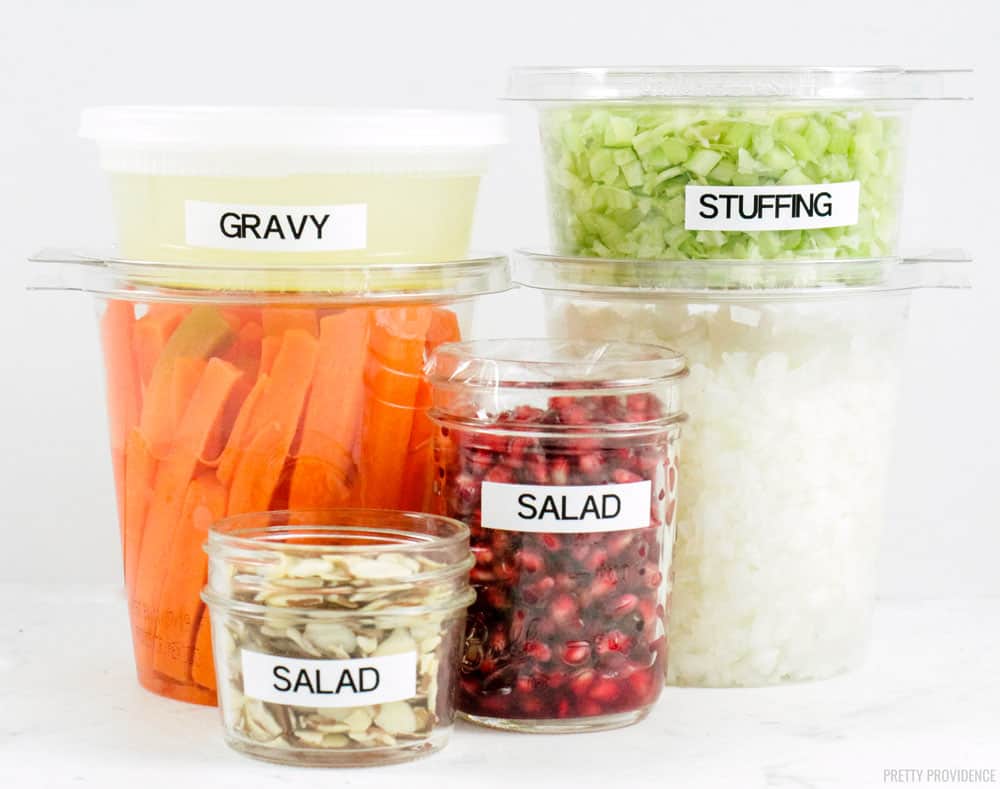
<point x="529" y="561"/>
<point x="499" y="474"/>
<point x="623" y="476"/>
<point x="538" y="651"/>
<point x="576" y="652"/>
<point x="596" y="560"/>
<point x="582" y="681"/>
<point x="605" y="691"/>
<point x="623" y="605"/>
<point x="483" y="554"/>
<point x="559" y="471"/>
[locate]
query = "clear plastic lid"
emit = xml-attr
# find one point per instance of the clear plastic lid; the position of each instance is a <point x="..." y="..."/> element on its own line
<point x="737" y="280"/>
<point x="360" y="283"/>
<point x="488" y="383"/>
<point x="799" y="83"/>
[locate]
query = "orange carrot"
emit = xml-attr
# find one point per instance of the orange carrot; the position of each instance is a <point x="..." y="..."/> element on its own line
<point x="180" y="604"/>
<point x="140" y="470"/>
<point x="239" y="436"/>
<point x="123" y="393"/>
<point x="202" y="662"/>
<point x="172" y="477"/>
<point x="151" y="333"/>
<point x="274" y="424"/>
<point x="269" y="347"/>
<point x="186" y="375"/>
<point x="199" y="335"/>
<point x="332" y="416"/>
<point x="278" y="320"/>
<point x="393" y="372"/>
<point x="419" y="469"/>
<point x="444" y="328"/>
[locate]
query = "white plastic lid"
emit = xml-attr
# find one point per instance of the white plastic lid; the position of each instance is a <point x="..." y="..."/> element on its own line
<point x="317" y="127"/>
<point x="797" y="83"/>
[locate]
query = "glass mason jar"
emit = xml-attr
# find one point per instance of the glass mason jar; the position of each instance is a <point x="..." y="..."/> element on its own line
<point x="337" y="633"/>
<point x="561" y="456"/>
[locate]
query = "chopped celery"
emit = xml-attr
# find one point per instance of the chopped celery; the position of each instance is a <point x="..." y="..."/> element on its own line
<point x="617" y="176"/>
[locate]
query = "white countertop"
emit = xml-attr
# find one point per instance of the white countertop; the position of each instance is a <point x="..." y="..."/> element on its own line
<point x="928" y="699"/>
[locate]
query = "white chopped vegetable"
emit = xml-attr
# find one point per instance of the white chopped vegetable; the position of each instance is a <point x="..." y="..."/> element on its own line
<point x="783" y="465"/>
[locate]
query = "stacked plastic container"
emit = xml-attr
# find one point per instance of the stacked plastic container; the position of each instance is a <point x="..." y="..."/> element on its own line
<point x="282" y="277"/>
<point x="749" y="218"/>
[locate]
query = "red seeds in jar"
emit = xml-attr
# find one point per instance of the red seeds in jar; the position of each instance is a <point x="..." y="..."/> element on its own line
<point x="568" y="499"/>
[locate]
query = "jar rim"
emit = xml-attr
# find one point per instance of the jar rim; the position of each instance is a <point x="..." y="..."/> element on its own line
<point x="386" y="530"/>
<point x="557" y="364"/>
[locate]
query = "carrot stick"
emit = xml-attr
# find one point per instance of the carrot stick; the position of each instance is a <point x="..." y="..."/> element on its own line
<point x="199" y="335"/>
<point x="332" y="416"/>
<point x="274" y="423"/>
<point x="172" y="478"/>
<point x="393" y="372"/>
<point x="187" y="374"/>
<point x="123" y="393"/>
<point x="140" y="470"/>
<point x="419" y="469"/>
<point x="444" y="328"/>
<point x="202" y="662"/>
<point x="180" y="603"/>
<point x="151" y="333"/>
<point x="278" y="320"/>
<point x="239" y="436"/>
<point x="269" y="347"/>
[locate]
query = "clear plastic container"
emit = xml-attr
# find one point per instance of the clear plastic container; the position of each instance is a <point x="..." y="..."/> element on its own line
<point x="727" y="162"/>
<point x="561" y="457"/>
<point x="224" y="401"/>
<point x="794" y="375"/>
<point x="292" y="184"/>
<point x="337" y="633"/>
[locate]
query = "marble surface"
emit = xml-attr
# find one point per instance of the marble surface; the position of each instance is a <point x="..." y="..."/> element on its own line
<point x="928" y="699"/>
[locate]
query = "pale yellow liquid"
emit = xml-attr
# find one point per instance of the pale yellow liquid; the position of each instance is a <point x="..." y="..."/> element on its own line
<point x="411" y="218"/>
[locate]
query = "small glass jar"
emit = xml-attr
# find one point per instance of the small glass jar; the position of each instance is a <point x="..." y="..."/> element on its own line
<point x="561" y="456"/>
<point x="337" y="633"/>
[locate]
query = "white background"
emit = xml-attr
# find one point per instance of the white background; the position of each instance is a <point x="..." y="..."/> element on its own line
<point x="56" y="501"/>
<point x="57" y="507"/>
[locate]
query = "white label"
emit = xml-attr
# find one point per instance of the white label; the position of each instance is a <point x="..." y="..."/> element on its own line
<point x="329" y="683"/>
<point x="772" y="207"/>
<point x="277" y="228"/>
<point x="566" y="508"/>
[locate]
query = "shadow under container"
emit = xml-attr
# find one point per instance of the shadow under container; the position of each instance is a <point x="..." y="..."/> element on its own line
<point x="727" y="162"/>
<point x="229" y="400"/>
<point x="794" y="378"/>
<point x="337" y="633"/>
<point x="561" y="456"/>
<point x="292" y="186"/>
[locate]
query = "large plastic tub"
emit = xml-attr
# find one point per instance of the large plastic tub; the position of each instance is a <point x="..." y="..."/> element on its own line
<point x="727" y="162"/>
<point x="292" y="185"/>
<point x="794" y="374"/>
<point x="223" y="402"/>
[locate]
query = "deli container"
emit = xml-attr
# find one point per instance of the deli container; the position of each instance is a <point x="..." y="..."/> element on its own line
<point x="561" y="456"/>
<point x="727" y="162"/>
<point x="226" y="401"/>
<point x="794" y="377"/>
<point x="292" y="185"/>
<point x="337" y="633"/>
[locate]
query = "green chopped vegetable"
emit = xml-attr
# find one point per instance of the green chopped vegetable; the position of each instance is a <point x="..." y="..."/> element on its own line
<point x="617" y="176"/>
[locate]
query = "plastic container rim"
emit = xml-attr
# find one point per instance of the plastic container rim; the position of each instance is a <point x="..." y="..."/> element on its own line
<point x="575" y="274"/>
<point x="885" y="83"/>
<point x="110" y="276"/>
